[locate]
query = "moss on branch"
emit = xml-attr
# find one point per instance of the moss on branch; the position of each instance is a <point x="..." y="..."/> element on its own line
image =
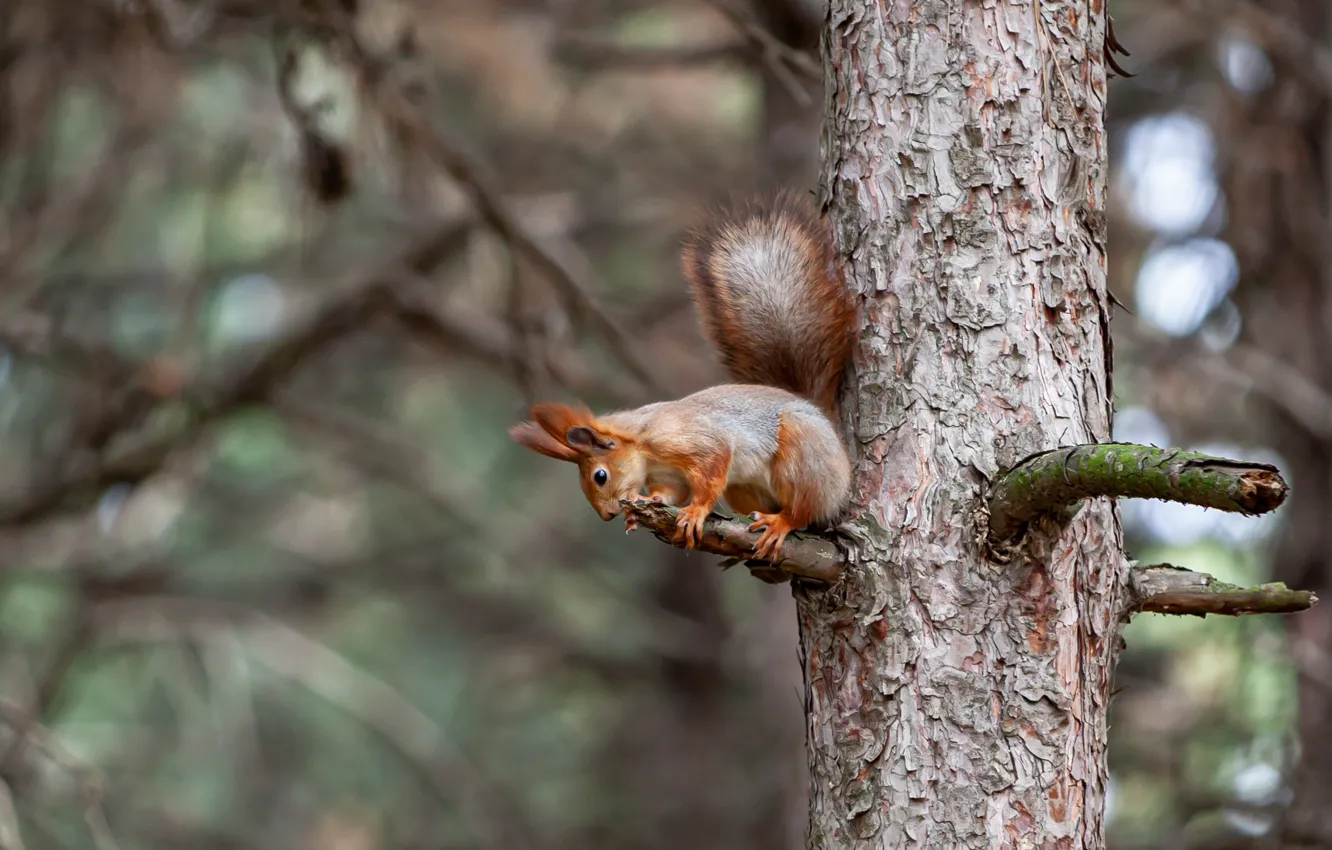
<point x="1059" y="479"/>
<point x="1167" y="589"/>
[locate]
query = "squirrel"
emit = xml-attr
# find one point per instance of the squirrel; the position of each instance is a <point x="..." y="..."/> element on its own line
<point x="771" y="300"/>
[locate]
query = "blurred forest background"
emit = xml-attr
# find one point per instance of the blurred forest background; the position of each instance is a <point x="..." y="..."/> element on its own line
<point x="276" y="276"/>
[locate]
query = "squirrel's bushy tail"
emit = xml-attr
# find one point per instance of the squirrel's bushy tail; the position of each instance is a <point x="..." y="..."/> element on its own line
<point x="770" y="297"/>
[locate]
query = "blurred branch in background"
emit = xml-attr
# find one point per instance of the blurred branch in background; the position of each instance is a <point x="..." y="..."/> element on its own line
<point x="275" y="277"/>
<point x="1220" y="233"/>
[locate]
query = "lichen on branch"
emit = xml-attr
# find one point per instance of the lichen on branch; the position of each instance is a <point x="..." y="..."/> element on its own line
<point x="1057" y="479"/>
<point x="1167" y="589"/>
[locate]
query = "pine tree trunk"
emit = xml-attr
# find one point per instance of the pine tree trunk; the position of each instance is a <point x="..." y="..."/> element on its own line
<point x="953" y="702"/>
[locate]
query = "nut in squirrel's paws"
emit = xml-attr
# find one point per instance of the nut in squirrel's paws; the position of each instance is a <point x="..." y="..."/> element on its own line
<point x="689" y="526"/>
<point x="770" y="541"/>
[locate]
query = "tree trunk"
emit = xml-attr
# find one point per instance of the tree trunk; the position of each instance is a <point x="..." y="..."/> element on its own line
<point x="954" y="702"/>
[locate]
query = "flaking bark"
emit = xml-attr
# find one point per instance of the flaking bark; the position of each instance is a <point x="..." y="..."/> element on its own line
<point x="952" y="702"/>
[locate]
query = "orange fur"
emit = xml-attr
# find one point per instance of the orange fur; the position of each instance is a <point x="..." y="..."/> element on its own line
<point x="536" y="438"/>
<point x="772" y="301"/>
<point x="667" y="492"/>
<point x="574" y="434"/>
<point x="790" y="478"/>
<point x="706" y="474"/>
<point x="557" y="419"/>
<point x="748" y="499"/>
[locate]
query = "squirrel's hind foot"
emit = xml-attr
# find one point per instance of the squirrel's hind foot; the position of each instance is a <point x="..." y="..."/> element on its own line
<point x="770" y="541"/>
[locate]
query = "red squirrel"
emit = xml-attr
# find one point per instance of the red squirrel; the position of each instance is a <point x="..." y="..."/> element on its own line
<point x="772" y="301"/>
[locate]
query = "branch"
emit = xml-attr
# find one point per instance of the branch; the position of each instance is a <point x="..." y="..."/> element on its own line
<point x="376" y="704"/>
<point x="80" y="475"/>
<point x="571" y="276"/>
<point x="1167" y="589"/>
<point x="1063" y="477"/>
<point x="77" y="636"/>
<point x="1159" y="589"/>
<point x="802" y="554"/>
<point x="1247" y="367"/>
<point x="482" y="337"/>
<point x="780" y="57"/>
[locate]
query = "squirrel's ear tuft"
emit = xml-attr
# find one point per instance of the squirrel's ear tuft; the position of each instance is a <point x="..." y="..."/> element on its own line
<point x="572" y="427"/>
<point x="557" y="419"/>
<point x="534" y="437"/>
<point x="583" y="437"/>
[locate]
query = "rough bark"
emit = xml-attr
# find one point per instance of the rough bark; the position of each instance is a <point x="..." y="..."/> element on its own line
<point x="953" y="702"/>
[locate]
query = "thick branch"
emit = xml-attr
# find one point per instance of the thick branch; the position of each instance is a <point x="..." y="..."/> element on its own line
<point x="802" y="554"/>
<point x="1167" y="589"/>
<point x="1062" y="477"/>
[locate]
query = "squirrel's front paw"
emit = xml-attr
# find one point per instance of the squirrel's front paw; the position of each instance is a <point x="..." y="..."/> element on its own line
<point x="689" y="526"/>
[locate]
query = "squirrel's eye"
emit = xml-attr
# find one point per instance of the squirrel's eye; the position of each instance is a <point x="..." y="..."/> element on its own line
<point x="600" y="477"/>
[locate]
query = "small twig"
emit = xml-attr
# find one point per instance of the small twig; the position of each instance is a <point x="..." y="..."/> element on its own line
<point x="448" y="772"/>
<point x="1061" y="478"/>
<point x="87" y="778"/>
<point x="1111" y="46"/>
<point x="572" y="278"/>
<point x="1247" y="367"/>
<point x="490" y="341"/>
<point x="1167" y="589"/>
<point x="1285" y="386"/>
<point x="75" y="641"/>
<point x="767" y="42"/>
<point x="522" y="359"/>
<point x="363" y="443"/>
<point x="780" y="57"/>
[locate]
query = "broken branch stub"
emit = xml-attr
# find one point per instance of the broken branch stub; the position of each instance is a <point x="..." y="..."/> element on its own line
<point x="1046" y="482"/>
<point x="1167" y="589"/>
